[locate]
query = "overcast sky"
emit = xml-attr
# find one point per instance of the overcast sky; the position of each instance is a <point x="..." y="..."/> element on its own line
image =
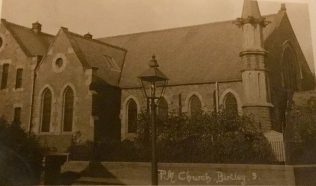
<point x="115" y="17"/>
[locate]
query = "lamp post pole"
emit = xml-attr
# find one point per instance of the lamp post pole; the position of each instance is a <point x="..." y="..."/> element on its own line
<point x="154" y="167"/>
<point x="152" y="80"/>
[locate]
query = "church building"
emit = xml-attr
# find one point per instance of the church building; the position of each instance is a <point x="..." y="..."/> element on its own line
<point x="68" y="85"/>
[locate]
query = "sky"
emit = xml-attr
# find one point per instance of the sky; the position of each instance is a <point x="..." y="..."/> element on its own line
<point x="116" y="17"/>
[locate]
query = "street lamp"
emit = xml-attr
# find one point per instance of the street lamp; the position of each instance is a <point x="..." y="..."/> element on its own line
<point x="153" y="83"/>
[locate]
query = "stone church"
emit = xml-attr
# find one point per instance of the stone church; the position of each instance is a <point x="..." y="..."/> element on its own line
<point x="71" y="85"/>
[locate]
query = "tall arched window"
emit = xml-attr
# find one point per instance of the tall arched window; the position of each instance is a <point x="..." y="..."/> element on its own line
<point x="163" y="109"/>
<point x="290" y="69"/>
<point x="230" y="103"/>
<point x="68" y="109"/>
<point x="46" y="110"/>
<point x="195" y="106"/>
<point x="132" y="116"/>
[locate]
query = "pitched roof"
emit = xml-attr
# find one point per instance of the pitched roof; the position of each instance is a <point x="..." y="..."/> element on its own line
<point x="92" y="53"/>
<point x="32" y="44"/>
<point x="188" y="55"/>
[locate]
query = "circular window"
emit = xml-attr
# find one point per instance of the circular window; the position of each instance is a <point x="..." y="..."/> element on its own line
<point x="59" y="62"/>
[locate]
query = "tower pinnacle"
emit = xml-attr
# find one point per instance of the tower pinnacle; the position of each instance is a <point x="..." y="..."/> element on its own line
<point x="251" y="9"/>
<point x="257" y="101"/>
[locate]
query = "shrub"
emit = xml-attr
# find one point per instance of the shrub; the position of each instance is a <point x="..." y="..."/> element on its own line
<point x="20" y="156"/>
<point x="301" y="135"/>
<point x="209" y="138"/>
<point x="206" y="138"/>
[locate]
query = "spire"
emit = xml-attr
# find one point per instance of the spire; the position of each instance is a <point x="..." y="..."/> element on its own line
<point x="251" y="9"/>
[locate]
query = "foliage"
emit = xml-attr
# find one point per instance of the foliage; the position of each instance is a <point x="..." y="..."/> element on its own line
<point x="206" y="138"/>
<point x="20" y="156"/>
<point x="209" y="138"/>
<point x="301" y="135"/>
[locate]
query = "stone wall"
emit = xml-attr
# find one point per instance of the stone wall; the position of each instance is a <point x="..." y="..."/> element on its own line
<point x="10" y="97"/>
<point x="178" y="97"/>
<point x="70" y="74"/>
<point x="187" y="174"/>
<point x="275" y="44"/>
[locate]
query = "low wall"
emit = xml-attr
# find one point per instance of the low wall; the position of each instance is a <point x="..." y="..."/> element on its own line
<point x="305" y="174"/>
<point x="186" y="174"/>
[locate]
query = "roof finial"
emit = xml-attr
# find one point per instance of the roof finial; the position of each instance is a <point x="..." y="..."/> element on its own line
<point x="88" y="35"/>
<point x="283" y="7"/>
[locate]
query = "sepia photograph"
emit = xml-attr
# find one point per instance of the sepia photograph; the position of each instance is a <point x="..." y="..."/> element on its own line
<point x="157" y="92"/>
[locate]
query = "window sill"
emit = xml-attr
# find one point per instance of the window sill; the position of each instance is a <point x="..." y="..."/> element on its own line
<point x="18" y="89"/>
<point x="4" y="90"/>
<point x="54" y="134"/>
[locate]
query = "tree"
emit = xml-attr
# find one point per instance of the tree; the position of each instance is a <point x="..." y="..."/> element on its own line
<point x="20" y="156"/>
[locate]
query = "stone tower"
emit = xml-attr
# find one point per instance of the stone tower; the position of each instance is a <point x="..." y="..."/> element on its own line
<point x="254" y="74"/>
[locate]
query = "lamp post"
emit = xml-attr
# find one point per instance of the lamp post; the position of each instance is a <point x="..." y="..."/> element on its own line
<point x="153" y="83"/>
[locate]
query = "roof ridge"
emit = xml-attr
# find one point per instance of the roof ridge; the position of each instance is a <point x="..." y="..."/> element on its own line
<point x="96" y="41"/>
<point x="76" y="47"/>
<point x="28" y="28"/>
<point x="17" y="39"/>
<point x="181" y="27"/>
<point x="40" y="37"/>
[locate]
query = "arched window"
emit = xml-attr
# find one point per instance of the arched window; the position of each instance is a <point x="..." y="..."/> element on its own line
<point x="68" y="109"/>
<point x="195" y="106"/>
<point x="290" y="70"/>
<point x="230" y="104"/>
<point x="46" y="110"/>
<point x="132" y="116"/>
<point x="163" y="109"/>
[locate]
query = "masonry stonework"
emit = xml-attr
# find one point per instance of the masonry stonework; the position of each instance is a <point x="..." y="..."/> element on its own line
<point x="74" y="76"/>
<point x="248" y="61"/>
<point x="13" y="55"/>
<point x="178" y="97"/>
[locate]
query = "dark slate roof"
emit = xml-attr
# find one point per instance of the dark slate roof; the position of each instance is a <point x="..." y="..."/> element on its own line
<point x="188" y="55"/>
<point x="31" y="43"/>
<point x="106" y="58"/>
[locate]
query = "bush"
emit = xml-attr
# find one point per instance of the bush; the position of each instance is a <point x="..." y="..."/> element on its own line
<point x="207" y="138"/>
<point x="301" y="135"/>
<point x="20" y="156"/>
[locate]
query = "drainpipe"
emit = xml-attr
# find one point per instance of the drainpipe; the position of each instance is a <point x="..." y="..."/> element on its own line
<point x="38" y="59"/>
<point x="217" y="96"/>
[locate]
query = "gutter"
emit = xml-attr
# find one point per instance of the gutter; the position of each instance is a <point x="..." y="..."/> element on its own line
<point x="217" y="96"/>
<point x="38" y="59"/>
